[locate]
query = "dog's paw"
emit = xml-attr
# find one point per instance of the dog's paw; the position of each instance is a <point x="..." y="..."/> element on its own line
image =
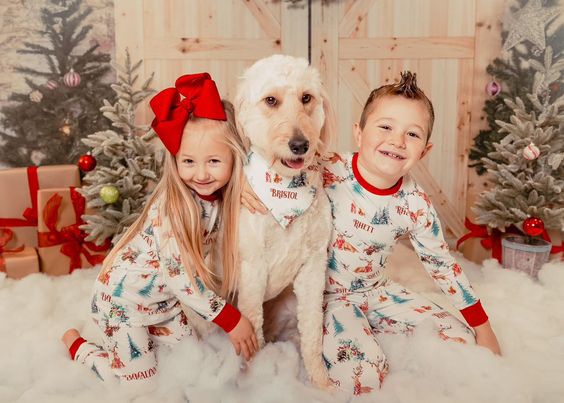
<point x="321" y="380"/>
<point x="323" y="384"/>
<point x="260" y="340"/>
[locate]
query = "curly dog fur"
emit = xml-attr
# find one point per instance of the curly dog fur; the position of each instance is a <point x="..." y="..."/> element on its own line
<point x="281" y="102"/>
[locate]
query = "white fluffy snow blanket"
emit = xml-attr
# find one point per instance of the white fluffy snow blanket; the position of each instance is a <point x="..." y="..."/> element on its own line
<point x="527" y="316"/>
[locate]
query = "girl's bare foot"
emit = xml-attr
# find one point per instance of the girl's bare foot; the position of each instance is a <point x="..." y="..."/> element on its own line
<point x="69" y="337"/>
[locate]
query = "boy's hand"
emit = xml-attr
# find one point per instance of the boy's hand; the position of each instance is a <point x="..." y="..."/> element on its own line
<point x="250" y="200"/>
<point x="485" y="337"/>
<point x="243" y="338"/>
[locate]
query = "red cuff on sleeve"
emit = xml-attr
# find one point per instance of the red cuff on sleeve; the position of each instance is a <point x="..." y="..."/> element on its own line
<point x="474" y="314"/>
<point x="74" y="347"/>
<point x="227" y="318"/>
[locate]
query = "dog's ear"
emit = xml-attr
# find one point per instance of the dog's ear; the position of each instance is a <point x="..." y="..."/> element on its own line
<point x="329" y="130"/>
<point x="240" y="110"/>
<point x="244" y="138"/>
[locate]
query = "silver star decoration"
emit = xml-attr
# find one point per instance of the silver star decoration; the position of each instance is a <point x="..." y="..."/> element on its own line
<point x="529" y="24"/>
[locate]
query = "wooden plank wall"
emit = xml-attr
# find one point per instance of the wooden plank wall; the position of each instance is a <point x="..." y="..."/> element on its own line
<point x="367" y="43"/>
<point x="487" y="46"/>
<point x="222" y="37"/>
<point x="357" y="45"/>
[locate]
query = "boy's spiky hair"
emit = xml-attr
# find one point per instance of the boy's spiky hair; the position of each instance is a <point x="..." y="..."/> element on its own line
<point x="407" y="87"/>
<point x="408" y="84"/>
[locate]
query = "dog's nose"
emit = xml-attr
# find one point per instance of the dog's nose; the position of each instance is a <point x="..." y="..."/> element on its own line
<point x="298" y="146"/>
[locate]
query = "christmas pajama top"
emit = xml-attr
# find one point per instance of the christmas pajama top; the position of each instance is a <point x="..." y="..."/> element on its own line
<point x="367" y="223"/>
<point x="147" y="282"/>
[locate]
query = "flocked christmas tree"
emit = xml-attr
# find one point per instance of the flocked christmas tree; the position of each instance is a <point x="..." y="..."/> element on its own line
<point x="512" y="76"/>
<point x="127" y="163"/>
<point x="46" y="125"/>
<point x="526" y="166"/>
<point x="511" y="81"/>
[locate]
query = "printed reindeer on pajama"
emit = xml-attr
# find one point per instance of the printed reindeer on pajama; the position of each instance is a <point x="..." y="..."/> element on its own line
<point x="360" y="301"/>
<point x="137" y="301"/>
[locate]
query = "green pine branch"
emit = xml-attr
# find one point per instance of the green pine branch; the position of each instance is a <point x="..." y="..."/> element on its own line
<point x="50" y="131"/>
<point x="126" y="159"/>
<point x="516" y="75"/>
<point x="528" y="188"/>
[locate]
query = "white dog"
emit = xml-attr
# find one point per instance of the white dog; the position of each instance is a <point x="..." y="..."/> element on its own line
<point x="282" y="110"/>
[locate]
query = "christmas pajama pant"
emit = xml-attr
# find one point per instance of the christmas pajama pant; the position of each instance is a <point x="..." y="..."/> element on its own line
<point x="352" y="354"/>
<point x="128" y="355"/>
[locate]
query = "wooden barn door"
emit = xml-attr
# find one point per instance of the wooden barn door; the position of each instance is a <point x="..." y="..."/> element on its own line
<point x="362" y="44"/>
<point x="222" y="37"/>
<point x="357" y="44"/>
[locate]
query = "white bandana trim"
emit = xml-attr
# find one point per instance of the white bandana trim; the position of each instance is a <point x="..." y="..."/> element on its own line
<point x="285" y="197"/>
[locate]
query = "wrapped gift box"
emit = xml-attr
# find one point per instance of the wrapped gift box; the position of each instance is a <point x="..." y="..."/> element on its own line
<point x="61" y="244"/>
<point x="474" y="251"/>
<point x="19" y="264"/>
<point x="19" y="211"/>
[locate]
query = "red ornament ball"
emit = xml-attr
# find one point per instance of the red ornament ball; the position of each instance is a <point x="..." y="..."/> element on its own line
<point x="533" y="226"/>
<point x="71" y="79"/>
<point x="87" y="163"/>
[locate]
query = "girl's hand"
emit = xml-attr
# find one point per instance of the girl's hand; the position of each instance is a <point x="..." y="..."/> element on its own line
<point x="243" y="338"/>
<point x="485" y="337"/>
<point x="250" y="200"/>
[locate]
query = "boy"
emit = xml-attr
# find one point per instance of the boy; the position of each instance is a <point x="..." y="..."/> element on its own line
<point x="374" y="203"/>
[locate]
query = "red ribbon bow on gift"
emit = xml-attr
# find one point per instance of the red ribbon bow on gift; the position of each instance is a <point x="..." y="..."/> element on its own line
<point x="201" y="99"/>
<point x="30" y="213"/>
<point x="6" y="236"/>
<point x="493" y="240"/>
<point x="490" y="240"/>
<point x="71" y="237"/>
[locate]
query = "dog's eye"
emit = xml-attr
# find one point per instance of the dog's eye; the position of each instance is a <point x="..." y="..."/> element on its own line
<point x="271" y="101"/>
<point x="306" y="98"/>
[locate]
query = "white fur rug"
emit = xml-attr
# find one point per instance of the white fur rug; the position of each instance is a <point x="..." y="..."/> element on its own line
<point x="526" y="315"/>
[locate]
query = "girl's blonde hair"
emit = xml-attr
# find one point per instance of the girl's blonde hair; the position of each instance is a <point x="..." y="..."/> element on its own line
<point x="183" y="212"/>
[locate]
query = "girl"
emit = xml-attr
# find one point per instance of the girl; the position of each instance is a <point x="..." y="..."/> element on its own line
<point x="159" y="262"/>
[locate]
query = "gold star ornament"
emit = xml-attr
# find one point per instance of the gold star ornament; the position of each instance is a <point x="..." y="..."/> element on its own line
<point x="529" y="24"/>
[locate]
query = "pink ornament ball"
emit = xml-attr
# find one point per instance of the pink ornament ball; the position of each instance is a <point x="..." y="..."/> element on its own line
<point x="493" y="88"/>
<point x="35" y="96"/>
<point x="531" y="152"/>
<point x="71" y="79"/>
<point x="52" y="84"/>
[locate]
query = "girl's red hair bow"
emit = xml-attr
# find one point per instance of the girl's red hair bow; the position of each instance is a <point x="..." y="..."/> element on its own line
<point x="201" y="99"/>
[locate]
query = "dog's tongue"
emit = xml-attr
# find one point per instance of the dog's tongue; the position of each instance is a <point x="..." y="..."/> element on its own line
<point x="295" y="164"/>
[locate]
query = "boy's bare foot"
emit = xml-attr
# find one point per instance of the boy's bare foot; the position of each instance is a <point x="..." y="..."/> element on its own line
<point x="70" y="337"/>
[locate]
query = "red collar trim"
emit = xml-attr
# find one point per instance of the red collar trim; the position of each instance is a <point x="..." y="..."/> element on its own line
<point x="373" y="189"/>
<point x="211" y="197"/>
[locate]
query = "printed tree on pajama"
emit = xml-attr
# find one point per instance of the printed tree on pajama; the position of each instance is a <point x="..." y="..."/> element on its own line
<point x="137" y="301"/>
<point x="360" y="301"/>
